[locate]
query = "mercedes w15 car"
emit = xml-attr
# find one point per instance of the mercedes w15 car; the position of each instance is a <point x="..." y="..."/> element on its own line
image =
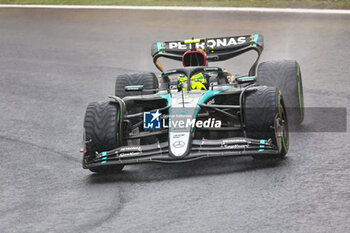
<point x="195" y="111"/>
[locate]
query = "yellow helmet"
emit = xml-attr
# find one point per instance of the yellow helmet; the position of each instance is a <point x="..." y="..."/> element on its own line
<point x="197" y="82"/>
<point x="182" y="83"/>
<point x="197" y="86"/>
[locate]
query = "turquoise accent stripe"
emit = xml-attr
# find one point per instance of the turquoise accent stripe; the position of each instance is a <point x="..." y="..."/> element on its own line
<point x="135" y="86"/>
<point x="256" y="36"/>
<point x="104" y="158"/>
<point x="207" y="95"/>
<point x="262" y="146"/>
<point x="104" y="153"/>
<point x="167" y="97"/>
<point x="104" y="162"/>
<point x="159" y="47"/>
<point x="248" y="77"/>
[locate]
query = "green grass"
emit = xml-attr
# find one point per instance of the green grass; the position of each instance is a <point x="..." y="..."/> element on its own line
<point x="326" y="4"/>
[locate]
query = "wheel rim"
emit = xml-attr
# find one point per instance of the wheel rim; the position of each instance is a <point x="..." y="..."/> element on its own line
<point x="281" y="127"/>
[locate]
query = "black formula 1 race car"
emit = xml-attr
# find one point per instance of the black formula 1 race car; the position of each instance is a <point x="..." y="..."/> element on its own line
<point x="196" y="111"/>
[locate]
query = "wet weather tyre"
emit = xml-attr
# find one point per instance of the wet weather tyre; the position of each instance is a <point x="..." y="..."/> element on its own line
<point x="147" y="79"/>
<point x="263" y="109"/>
<point x="101" y="132"/>
<point x="285" y="75"/>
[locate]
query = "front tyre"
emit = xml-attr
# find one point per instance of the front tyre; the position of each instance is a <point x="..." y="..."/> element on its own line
<point x="101" y="129"/>
<point x="266" y="119"/>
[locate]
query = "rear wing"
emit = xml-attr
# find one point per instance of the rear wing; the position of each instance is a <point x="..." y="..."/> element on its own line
<point x="217" y="49"/>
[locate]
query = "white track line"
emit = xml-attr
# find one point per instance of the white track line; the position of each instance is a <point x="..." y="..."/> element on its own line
<point x="186" y="8"/>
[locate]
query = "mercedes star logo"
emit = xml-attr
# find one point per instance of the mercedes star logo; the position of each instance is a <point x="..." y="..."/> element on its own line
<point x="178" y="144"/>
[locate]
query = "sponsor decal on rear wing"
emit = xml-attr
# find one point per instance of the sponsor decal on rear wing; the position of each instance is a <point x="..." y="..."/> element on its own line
<point x="216" y="49"/>
<point x="209" y="45"/>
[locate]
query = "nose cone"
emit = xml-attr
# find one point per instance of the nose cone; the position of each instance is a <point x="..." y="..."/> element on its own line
<point x="181" y="121"/>
<point x="179" y="144"/>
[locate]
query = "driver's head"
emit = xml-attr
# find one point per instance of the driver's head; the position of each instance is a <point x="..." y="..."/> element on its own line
<point x="198" y="82"/>
<point x="182" y="83"/>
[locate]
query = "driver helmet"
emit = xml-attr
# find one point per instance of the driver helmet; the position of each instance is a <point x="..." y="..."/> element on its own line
<point x="198" y="82"/>
<point x="182" y="83"/>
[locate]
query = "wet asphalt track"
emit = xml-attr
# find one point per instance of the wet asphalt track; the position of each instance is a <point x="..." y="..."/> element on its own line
<point x="53" y="62"/>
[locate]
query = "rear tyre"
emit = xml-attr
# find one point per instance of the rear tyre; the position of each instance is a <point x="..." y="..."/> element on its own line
<point x="148" y="80"/>
<point x="266" y="119"/>
<point x="101" y="129"/>
<point x="285" y="75"/>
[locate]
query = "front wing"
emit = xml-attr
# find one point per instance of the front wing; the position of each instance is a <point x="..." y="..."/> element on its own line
<point x="158" y="152"/>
